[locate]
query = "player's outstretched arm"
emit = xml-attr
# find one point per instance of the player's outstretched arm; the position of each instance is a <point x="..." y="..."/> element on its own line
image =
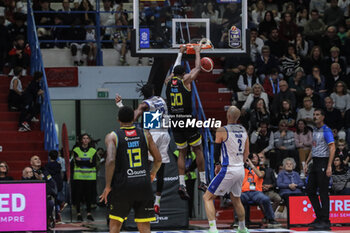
<point x="157" y="158"/>
<point x="140" y="109"/>
<point x="137" y="113"/>
<point x="188" y="78"/>
<point x="110" y="142"/>
<point x="177" y="62"/>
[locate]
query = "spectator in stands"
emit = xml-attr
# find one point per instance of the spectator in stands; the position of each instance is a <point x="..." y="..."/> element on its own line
<point x="262" y="141"/>
<point x="334" y="77"/>
<point x="28" y="174"/>
<point x="252" y="189"/>
<point x="44" y="19"/>
<point x="319" y="5"/>
<point x="306" y="113"/>
<point x="314" y="59"/>
<point x="257" y="93"/>
<point x="266" y="25"/>
<point x="271" y="83"/>
<point x="317" y="81"/>
<point x="303" y="142"/>
<point x="20" y="55"/>
<point x="343" y="5"/>
<point x="333" y="15"/>
<point x="92" y="49"/>
<point x="316" y="99"/>
<point x="121" y="38"/>
<point x="287" y="28"/>
<point x="231" y="16"/>
<point x="340" y="177"/>
<point x="84" y="178"/>
<point x="329" y="40"/>
<point x="107" y="19"/>
<point x="259" y="12"/>
<point x="277" y="45"/>
<point x="256" y="44"/>
<point x="4" y="170"/>
<point x="58" y="33"/>
<point x="302" y="18"/>
<point x="211" y="13"/>
<point x="333" y="117"/>
<point x="284" y="145"/>
<point x="335" y="58"/>
<point x="247" y="80"/>
<point x="269" y="183"/>
<point x="16" y="90"/>
<point x="301" y="45"/>
<point x="289" y="181"/>
<point x="347" y="126"/>
<point x="30" y="103"/>
<point x="40" y="173"/>
<point x="17" y="28"/>
<point x="287" y="113"/>
<point x="265" y="63"/>
<point x="283" y="94"/>
<point x="342" y="151"/>
<point x="297" y="84"/>
<point x="290" y="62"/>
<point x="86" y="17"/>
<point x="340" y="97"/>
<point x="314" y="28"/>
<point x="259" y="113"/>
<point x="54" y="169"/>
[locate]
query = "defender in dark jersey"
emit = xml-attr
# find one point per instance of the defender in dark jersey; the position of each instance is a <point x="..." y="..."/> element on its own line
<point x="179" y="101"/>
<point x="128" y="176"/>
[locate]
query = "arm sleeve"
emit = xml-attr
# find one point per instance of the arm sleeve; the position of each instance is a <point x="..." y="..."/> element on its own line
<point x="280" y="181"/>
<point x="298" y="143"/>
<point x="271" y="143"/>
<point x="291" y="142"/>
<point x="178" y="60"/>
<point x="241" y="84"/>
<point x="328" y="135"/>
<point x="248" y="102"/>
<point x="278" y="140"/>
<point x="253" y="137"/>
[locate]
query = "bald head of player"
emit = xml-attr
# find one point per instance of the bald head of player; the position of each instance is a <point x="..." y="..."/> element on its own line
<point x="233" y="114"/>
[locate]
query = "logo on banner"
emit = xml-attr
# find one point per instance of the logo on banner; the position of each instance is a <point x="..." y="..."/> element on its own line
<point x="144" y="38"/>
<point x="234" y="38"/>
<point x="152" y="120"/>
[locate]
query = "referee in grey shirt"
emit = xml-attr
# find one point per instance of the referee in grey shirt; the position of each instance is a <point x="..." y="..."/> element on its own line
<point x="322" y="155"/>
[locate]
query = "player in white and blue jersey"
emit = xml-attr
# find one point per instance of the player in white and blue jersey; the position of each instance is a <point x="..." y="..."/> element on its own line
<point x="161" y="136"/>
<point x="231" y="150"/>
<point x="322" y="155"/>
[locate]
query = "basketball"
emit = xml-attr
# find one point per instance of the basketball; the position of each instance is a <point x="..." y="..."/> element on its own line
<point x="207" y="64"/>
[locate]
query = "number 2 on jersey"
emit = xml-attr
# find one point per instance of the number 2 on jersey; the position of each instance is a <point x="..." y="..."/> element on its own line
<point x="240" y="145"/>
<point x="135" y="157"/>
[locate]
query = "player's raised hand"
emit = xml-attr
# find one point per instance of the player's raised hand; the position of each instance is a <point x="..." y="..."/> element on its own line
<point x="118" y="98"/>
<point x="197" y="48"/>
<point x="183" y="48"/>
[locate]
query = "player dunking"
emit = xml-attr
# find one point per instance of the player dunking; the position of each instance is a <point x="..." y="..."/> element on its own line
<point x="179" y="101"/>
<point x="231" y="149"/>
<point x="128" y="176"/>
<point x="160" y="136"/>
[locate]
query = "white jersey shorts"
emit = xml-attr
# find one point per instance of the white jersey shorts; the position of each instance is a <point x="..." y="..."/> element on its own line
<point x="228" y="180"/>
<point x="162" y="140"/>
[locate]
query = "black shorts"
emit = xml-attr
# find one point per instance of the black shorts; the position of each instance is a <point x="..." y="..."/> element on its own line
<point x="186" y="136"/>
<point x="120" y="206"/>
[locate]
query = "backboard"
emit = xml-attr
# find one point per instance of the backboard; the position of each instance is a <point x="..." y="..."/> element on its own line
<point x="160" y="27"/>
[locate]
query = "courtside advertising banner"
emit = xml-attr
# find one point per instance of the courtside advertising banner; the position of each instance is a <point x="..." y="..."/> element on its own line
<point x="301" y="211"/>
<point x="23" y="207"/>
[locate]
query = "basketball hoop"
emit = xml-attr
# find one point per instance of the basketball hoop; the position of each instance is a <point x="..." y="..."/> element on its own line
<point x="204" y="43"/>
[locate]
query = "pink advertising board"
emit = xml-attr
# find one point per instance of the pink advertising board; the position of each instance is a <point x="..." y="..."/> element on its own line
<point x="23" y="207"/>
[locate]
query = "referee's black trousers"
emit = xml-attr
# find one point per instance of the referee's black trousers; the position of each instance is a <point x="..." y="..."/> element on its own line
<point x="318" y="181"/>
